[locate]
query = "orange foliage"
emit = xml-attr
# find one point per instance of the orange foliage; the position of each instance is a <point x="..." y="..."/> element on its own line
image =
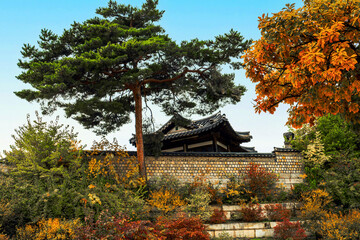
<point x="165" y="200"/>
<point x="49" y="229"/>
<point x="308" y="58"/>
<point x="339" y="226"/>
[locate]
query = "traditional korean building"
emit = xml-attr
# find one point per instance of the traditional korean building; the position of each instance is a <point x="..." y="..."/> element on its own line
<point x="210" y="134"/>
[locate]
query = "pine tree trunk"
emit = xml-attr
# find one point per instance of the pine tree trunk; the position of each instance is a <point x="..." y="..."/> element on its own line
<point x="139" y="132"/>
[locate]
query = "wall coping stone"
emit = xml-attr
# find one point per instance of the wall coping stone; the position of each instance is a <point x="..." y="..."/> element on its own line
<point x="212" y="154"/>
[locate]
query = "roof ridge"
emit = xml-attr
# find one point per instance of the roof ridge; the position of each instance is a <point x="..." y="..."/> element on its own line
<point x="209" y="117"/>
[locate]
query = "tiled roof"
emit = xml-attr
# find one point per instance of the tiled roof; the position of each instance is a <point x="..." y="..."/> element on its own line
<point x="276" y="149"/>
<point x="203" y="125"/>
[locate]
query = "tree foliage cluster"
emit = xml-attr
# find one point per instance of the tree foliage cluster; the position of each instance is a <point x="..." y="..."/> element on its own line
<point x="331" y="151"/>
<point x="308" y="57"/>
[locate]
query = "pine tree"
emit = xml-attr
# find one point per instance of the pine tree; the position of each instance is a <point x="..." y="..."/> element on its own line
<point x="101" y="70"/>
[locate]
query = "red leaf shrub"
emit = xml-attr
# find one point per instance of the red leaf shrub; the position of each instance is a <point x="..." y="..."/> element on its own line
<point x="276" y="212"/>
<point x="218" y="216"/>
<point x="117" y="227"/>
<point x="182" y="228"/>
<point x="252" y="213"/>
<point x="120" y="227"/>
<point x="288" y="230"/>
<point x="259" y="181"/>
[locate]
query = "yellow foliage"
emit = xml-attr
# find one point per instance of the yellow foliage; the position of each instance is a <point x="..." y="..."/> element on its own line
<point x="49" y="229"/>
<point x="314" y="204"/>
<point x="341" y="227"/>
<point x="94" y="199"/>
<point x="165" y="200"/>
<point x="106" y="166"/>
<point x="315" y="153"/>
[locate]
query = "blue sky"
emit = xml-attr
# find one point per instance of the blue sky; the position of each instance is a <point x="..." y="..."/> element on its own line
<point x="22" y="20"/>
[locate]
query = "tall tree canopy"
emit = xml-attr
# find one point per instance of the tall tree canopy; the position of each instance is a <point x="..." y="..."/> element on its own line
<point x="308" y="58"/>
<point x="100" y="71"/>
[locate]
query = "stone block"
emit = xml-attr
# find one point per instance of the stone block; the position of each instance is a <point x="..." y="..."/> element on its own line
<point x="218" y="227"/>
<point x="260" y="233"/>
<point x="254" y="225"/>
<point x="244" y="233"/>
<point x="230" y="232"/>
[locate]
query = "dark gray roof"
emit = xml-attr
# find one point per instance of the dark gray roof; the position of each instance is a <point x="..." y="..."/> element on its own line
<point x="203" y="125"/>
<point x="276" y="149"/>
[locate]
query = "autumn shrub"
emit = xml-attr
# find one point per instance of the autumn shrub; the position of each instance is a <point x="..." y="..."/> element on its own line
<point x="120" y="227"/>
<point x="276" y="212"/>
<point x="336" y="226"/>
<point x="314" y="204"/>
<point x="235" y="192"/>
<point x="182" y="228"/>
<point x="104" y="159"/>
<point x="203" y="184"/>
<point x="314" y="209"/>
<point x="259" y="182"/>
<point x="252" y="213"/>
<point x="287" y="230"/>
<point x="52" y="177"/>
<point x="110" y="189"/>
<point x="116" y="227"/>
<point x="3" y="237"/>
<point x="48" y="229"/>
<point x="197" y="205"/>
<point x="166" y="202"/>
<point x="218" y="216"/>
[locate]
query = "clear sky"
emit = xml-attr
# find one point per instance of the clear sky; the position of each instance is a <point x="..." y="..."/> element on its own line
<point x="22" y="20"/>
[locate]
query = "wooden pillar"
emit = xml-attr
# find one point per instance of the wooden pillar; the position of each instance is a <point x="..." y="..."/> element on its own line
<point x="215" y="147"/>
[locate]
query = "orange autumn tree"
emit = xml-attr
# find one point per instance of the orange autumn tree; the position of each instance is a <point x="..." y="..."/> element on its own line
<point x="308" y="58"/>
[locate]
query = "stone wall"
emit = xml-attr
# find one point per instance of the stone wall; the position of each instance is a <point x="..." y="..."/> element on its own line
<point x="217" y="167"/>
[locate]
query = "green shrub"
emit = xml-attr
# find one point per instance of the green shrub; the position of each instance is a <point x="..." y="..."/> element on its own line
<point x="198" y="205"/>
<point x="51" y="177"/>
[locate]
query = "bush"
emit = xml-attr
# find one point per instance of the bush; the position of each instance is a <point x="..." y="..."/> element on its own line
<point x="198" y="205"/>
<point x="339" y="226"/>
<point x="235" y="191"/>
<point x="3" y="237"/>
<point x="165" y="201"/>
<point x="182" y="228"/>
<point x="259" y="181"/>
<point x="51" y="177"/>
<point x="48" y="229"/>
<point x="287" y="230"/>
<point x="203" y="184"/>
<point x="118" y="227"/>
<point x="46" y="167"/>
<point x="218" y="216"/>
<point x="277" y="212"/>
<point x="252" y="213"/>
